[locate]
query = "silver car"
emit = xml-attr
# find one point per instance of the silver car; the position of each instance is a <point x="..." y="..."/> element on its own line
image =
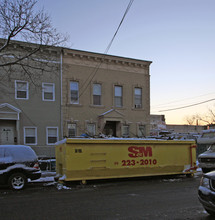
<point x="207" y="159"/>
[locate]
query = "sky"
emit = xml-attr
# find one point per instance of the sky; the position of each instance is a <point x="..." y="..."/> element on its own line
<point x="176" y="35"/>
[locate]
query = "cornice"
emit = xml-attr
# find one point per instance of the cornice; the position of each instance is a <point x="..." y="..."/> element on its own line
<point x="83" y="57"/>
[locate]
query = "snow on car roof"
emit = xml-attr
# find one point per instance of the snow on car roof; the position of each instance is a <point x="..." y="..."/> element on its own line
<point x="17" y="153"/>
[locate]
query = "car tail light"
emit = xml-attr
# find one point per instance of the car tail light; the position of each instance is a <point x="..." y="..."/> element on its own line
<point x="36" y="166"/>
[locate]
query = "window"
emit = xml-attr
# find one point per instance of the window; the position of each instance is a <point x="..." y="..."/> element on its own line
<point x="97" y="92"/>
<point x="141" y="131"/>
<point x="21" y="90"/>
<point x="74" y="87"/>
<point x="52" y="135"/>
<point x="125" y="130"/>
<point x="30" y="135"/>
<point x="91" y="129"/>
<point x="48" y="91"/>
<point x="118" y="96"/>
<point x="71" y="130"/>
<point x="137" y="98"/>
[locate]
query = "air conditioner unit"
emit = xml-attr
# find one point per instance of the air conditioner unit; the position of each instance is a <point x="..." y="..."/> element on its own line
<point x="137" y="106"/>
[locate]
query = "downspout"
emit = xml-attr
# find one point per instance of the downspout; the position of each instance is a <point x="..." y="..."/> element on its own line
<point x="61" y="93"/>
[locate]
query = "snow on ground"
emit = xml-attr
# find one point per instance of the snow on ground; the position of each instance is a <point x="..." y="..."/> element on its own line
<point x="45" y="177"/>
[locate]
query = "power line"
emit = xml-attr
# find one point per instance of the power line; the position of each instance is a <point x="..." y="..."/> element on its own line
<point x="187" y="106"/>
<point x="92" y="75"/>
<point x="126" y="11"/>
<point x="180" y="100"/>
<point x="94" y="72"/>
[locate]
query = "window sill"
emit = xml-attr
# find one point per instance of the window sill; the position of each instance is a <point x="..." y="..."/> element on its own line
<point x="47" y="100"/>
<point x="21" y="98"/>
<point x="120" y="108"/>
<point x="75" y="105"/>
<point x="138" y="109"/>
<point x="97" y="106"/>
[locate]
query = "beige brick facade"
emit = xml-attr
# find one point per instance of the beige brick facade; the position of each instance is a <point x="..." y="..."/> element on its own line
<point x="30" y="98"/>
<point x="69" y="93"/>
<point x="123" y="109"/>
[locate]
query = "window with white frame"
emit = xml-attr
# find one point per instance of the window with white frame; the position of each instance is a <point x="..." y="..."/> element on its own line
<point x="137" y="98"/>
<point x="74" y="93"/>
<point x="48" y="91"/>
<point x="91" y="129"/>
<point x="30" y="135"/>
<point x="97" y="93"/>
<point x="72" y="130"/>
<point x="125" y="130"/>
<point x="51" y="135"/>
<point x="118" y="96"/>
<point x="21" y="89"/>
<point x="141" y="131"/>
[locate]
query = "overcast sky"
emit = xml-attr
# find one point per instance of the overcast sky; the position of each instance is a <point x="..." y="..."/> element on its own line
<point x="178" y="36"/>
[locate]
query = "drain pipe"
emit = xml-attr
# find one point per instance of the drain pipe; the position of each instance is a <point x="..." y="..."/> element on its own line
<point x="61" y="99"/>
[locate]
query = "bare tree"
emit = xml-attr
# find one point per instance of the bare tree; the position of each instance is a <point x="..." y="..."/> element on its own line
<point x="191" y="119"/>
<point x="208" y="118"/>
<point x="19" y="21"/>
<point x="27" y="38"/>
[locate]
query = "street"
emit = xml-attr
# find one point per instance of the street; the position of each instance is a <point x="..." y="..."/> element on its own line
<point x="139" y="198"/>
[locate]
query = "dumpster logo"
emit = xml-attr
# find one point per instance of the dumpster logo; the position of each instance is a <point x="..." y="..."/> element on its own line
<point x="135" y="151"/>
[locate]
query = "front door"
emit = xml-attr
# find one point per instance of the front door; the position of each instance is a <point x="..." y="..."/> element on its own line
<point x="110" y="128"/>
<point x="6" y="135"/>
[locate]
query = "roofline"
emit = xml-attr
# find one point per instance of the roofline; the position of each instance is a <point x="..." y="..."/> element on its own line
<point x="105" y="55"/>
<point x="68" y="50"/>
<point x="10" y="106"/>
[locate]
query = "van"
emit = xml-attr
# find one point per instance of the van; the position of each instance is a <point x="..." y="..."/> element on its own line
<point x="18" y="163"/>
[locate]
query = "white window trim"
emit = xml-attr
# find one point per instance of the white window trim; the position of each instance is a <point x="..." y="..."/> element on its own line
<point x="123" y="134"/>
<point x="75" y="129"/>
<point x="94" y="124"/>
<point x="139" y="133"/>
<point x="138" y="106"/>
<point x="53" y="91"/>
<point x="27" y="92"/>
<point x="120" y="86"/>
<point x="97" y="95"/>
<point x="35" y="135"/>
<point x="47" y="143"/>
<point x="77" y="101"/>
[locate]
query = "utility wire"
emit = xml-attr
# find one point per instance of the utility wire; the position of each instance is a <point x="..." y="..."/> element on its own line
<point x="187" y="106"/>
<point x="180" y="100"/>
<point x="92" y="75"/>
<point x="126" y="11"/>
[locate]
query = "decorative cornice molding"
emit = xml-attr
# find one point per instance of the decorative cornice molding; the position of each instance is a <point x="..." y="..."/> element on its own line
<point x="104" y="59"/>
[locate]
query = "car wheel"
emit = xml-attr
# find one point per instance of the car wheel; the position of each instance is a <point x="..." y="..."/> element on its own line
<point x="17" y="181"/>
<point x="210" y="212"/>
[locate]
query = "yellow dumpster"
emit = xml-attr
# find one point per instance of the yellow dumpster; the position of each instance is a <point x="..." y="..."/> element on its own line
<point x="87" y="159"/>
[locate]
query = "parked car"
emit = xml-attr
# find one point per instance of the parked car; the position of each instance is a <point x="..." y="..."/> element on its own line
<point x="207" y="159"/>
<point x="205" y="140"/>
<point x="206" y="192"/>
<point x="18" y="163"/>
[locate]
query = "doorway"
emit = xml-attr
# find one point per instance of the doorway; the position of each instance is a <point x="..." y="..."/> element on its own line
<point x="7" y="133"/>
<point x="111" y="128"/>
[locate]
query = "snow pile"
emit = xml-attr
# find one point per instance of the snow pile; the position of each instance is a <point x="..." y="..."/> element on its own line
<point x="45" y="177"/>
